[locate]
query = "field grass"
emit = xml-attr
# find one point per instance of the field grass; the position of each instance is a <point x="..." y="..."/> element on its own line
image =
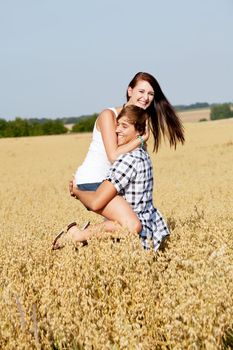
<point x="195" y="115"/>
<point x="114" y="295"/>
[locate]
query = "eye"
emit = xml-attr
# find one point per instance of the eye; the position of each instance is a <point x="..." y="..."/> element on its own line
<point x="124" y="125"/>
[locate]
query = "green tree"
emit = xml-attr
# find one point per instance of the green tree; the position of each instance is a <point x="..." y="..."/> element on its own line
<point x="53" y="127"/>
<point x="35" y="128"/>
<point x="23" y="127"/>
<point x="85" y="124"/>
<point x="222" y="111"/>
<point x="16" y="128"/>
<point x="3" y="126"/>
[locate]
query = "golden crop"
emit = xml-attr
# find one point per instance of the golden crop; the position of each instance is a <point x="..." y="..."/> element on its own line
<point x="115" y="295"/>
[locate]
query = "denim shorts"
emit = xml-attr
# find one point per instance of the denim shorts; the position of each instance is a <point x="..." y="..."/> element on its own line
<point x="89" y="187"/>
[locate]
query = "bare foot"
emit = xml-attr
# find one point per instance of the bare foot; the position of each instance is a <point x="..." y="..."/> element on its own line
<point x="80" y="235"/>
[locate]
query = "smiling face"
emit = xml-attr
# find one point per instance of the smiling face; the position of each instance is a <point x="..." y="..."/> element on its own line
<point x="125" y="131"/>
<point x="141" y="95"/>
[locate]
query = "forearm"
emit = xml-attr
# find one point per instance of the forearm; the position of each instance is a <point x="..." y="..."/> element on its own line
<point x="107" y="127"/>
<point x="130" y="146"/>
<point x="96" y="200"/>
<point x="86" y="197"/>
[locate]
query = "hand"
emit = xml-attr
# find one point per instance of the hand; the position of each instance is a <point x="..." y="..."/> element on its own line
<point x="71" y="187"/>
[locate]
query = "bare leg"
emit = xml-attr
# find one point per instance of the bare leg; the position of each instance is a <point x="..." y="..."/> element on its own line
<point x="118" y="210"/>
<point x="119" y="214"/>
<point x="83" y="235"/>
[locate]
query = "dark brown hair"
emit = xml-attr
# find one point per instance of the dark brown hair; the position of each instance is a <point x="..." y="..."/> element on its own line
<point x="136" y="116"/>
<point x="163" y="119"/>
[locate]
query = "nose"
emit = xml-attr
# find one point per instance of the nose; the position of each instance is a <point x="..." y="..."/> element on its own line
<point x="118" y="129"/>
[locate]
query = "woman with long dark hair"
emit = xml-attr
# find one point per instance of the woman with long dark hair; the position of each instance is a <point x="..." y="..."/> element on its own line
<point x="143" y="91"/>
<point x="131" y="177"/>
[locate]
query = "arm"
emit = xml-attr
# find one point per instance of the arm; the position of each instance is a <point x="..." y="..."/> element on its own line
<point x="96" y="200"/>
<point x="119" y="176"/>
<point x="107" y="126"/>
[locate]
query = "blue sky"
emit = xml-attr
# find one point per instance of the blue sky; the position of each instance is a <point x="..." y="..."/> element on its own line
<point x="68" y="58"/>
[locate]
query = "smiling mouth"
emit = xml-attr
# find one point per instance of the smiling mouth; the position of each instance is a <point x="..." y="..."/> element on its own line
<point x="120" y="139"/>
<point x="142" y="103"/>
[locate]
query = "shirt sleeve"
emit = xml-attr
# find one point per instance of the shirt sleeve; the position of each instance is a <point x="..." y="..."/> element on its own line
<point x="122" y="172"/>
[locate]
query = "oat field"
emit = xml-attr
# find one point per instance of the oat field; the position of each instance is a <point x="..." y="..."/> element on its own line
<point x="113" y="295"/>
<point x="195" y="115"/>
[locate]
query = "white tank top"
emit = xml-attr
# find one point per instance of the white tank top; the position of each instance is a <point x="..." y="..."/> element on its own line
<point x="96" y="164"/>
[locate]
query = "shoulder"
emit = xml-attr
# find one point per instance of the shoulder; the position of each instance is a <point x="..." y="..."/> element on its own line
<point x="125" y="164"/>
<point x="139" y="153"/>
<point x="107" y="113"/>
<point x="110" y="112"/>
<point x="143" y="153"/>
<point x="129" y="158"/>
<point x="136" y="155"/>
<point x="141" y="156"/>
<point x="106" y="118"/>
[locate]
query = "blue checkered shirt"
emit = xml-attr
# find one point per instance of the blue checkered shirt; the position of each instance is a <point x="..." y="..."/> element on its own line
<point x="132" y="176"/>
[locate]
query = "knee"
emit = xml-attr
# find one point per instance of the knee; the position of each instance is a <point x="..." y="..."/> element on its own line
<point x="136" y="226"/>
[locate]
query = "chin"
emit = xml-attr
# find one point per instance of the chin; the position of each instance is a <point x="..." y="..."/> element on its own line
<point x="142" y="106"/>
<point x="121" y="142"/>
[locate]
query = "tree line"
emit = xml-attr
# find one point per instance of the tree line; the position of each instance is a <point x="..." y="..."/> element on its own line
<point x="23" y="127"/>
<point x="222" y="111"/>
<point x="37" y="127"/>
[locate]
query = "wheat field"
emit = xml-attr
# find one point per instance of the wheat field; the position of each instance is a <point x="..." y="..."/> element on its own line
<point x="108" y="294"/>
<point x="195" y="115"/>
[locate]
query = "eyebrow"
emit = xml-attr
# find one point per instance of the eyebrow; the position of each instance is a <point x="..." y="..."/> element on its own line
<point x="151" y="91"/>
<point x="123" y="123"/>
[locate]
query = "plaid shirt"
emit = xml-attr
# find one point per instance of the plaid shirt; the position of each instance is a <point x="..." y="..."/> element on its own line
<point x="132" y="176"/>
